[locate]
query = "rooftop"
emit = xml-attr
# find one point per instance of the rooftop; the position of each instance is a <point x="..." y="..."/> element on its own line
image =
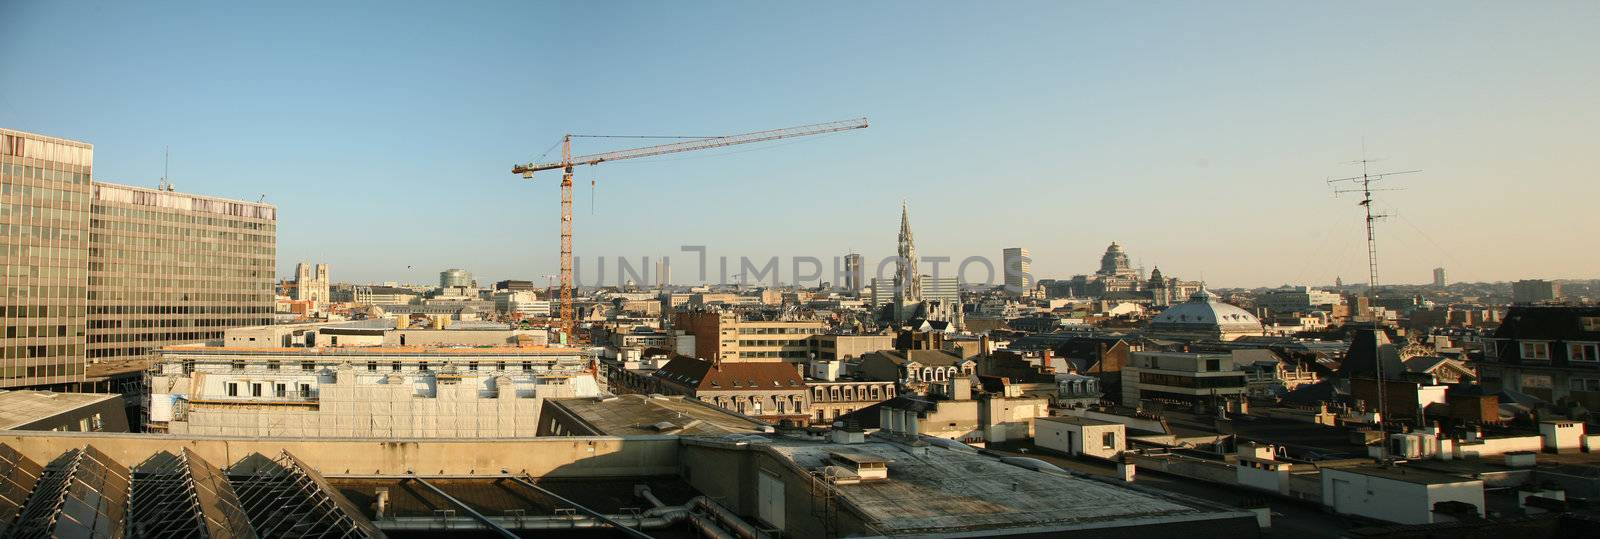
<point x="934" y="489"/>
<point x="21" y="407"/>
<point x="1404" y="473"/>
<point x="653" y="414"/>
<point x="1075" y="420"/>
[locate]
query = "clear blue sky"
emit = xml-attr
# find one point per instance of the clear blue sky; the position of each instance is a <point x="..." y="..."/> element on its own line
<point x="1197" y="135"/>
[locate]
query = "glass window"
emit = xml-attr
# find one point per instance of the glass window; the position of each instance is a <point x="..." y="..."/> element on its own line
<point x="1583" y="351"/>
<point x="1535" y="350"/>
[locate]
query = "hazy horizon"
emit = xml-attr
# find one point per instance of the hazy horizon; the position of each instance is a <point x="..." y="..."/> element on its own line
<point x="1197" y="136"/>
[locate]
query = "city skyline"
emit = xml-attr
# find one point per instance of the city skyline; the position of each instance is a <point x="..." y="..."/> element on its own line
<point x="1197" y="139"/>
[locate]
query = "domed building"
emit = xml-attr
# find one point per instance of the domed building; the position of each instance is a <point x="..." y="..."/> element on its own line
<point x="1204" y="317"/>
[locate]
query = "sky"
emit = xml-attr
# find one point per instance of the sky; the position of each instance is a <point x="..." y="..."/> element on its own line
<point x="1197" y="135"/>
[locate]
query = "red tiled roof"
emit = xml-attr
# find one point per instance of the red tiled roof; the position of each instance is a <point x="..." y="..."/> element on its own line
<point x="704" y="376"/>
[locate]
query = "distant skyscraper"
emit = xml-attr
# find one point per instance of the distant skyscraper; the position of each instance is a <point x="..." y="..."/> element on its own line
<point x="152" y="267"/>
<point x="853" y="273"/>
<point x="1438" y="277"/>
<point x="663" y="273"/>
<point x="454" y="277"/>
<point x="1019" y="278"/>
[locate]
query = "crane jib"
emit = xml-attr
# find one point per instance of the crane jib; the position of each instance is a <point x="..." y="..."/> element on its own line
<point x="698" y="144"/>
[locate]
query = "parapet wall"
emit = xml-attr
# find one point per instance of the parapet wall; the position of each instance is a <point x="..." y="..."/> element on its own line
<point x="598" y="456"/>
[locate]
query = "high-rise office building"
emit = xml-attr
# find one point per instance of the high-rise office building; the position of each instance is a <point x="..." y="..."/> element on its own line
<point x="663" y="273"/>
<point x="1438" y="277"/>
<point x="455" y="277"/>
<point x="1017" y="270"/>
<point x="168" y="267"/>
<point x="853" y="273"/>
<point x="44" y="235"/>
<point x="101" y="272"/>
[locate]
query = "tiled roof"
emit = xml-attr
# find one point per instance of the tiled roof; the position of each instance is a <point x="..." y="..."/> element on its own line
<point x="933" y="358"/>
<point x="736" y="375"/>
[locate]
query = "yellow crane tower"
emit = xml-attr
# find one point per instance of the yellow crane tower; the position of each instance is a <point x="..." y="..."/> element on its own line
<point x="567" y="162"/>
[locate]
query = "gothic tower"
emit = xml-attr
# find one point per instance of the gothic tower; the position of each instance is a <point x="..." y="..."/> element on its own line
<point x="907" y="282"/>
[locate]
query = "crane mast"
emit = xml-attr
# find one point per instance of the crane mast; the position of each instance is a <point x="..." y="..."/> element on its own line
<point x="567" y="162"/>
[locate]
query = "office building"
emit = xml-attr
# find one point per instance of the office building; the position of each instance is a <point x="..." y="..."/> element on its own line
<point x="663" y="273"/>
<point x="1182" y="377"/>
<point x="1438" y="278"/>
<point x="726" y="337"/>
<point x="853" y="273"/>
<point x="1534" y="291"/>
<point x="1299" y="299"/>
<point x="44" y="232"/>
<point x="1018" y="271"/>
<point x="168" y="267"/>
<point x="517" y="286"/>
<point x="455" y="278"/>
<point x="98" y="272"/>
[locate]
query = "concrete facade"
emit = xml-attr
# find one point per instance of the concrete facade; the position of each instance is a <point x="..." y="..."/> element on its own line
<point x="361" y="391"/>
<point x="1395" y="494"/>
<point x="1075" y="436"/>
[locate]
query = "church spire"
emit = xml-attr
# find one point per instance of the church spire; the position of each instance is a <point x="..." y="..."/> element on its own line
<point x="907" y="282"/>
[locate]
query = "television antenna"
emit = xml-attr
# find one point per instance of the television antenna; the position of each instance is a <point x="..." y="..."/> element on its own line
<point x="1363" y="184"/>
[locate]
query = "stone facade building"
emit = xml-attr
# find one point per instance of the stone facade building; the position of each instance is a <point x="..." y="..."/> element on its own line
<point x="831" y="400"/>
<point x="766" y="390"/>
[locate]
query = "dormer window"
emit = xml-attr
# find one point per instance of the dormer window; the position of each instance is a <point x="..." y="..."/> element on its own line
<point x="1583" y="351"/>
<point x="1535" y="350"/>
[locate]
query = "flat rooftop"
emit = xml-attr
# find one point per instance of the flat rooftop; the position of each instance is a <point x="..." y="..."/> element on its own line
<point x="1075" y="420"/>
<point x="627" y="415"/>
<point x="21" y="407"/>
<point x="933" y="489"/>
<point x="1403" y="473"/>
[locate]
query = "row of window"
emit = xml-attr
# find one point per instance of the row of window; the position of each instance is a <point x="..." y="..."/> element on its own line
<point x="373" y="366"/>
<point x="279" y="390"/>
<point x="188" y="232"/>
<point x="172" y="217"/>
<point x="849" y="393"/>
<point x="42" y="233"/>
<point x="1576" y="351"/>
<point x="37" y="173"/>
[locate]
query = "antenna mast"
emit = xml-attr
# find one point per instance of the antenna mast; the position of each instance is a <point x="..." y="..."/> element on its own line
<point x="1363" y="184"/>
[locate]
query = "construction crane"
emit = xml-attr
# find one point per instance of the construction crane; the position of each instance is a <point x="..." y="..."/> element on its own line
<point x="567" y="163"/>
